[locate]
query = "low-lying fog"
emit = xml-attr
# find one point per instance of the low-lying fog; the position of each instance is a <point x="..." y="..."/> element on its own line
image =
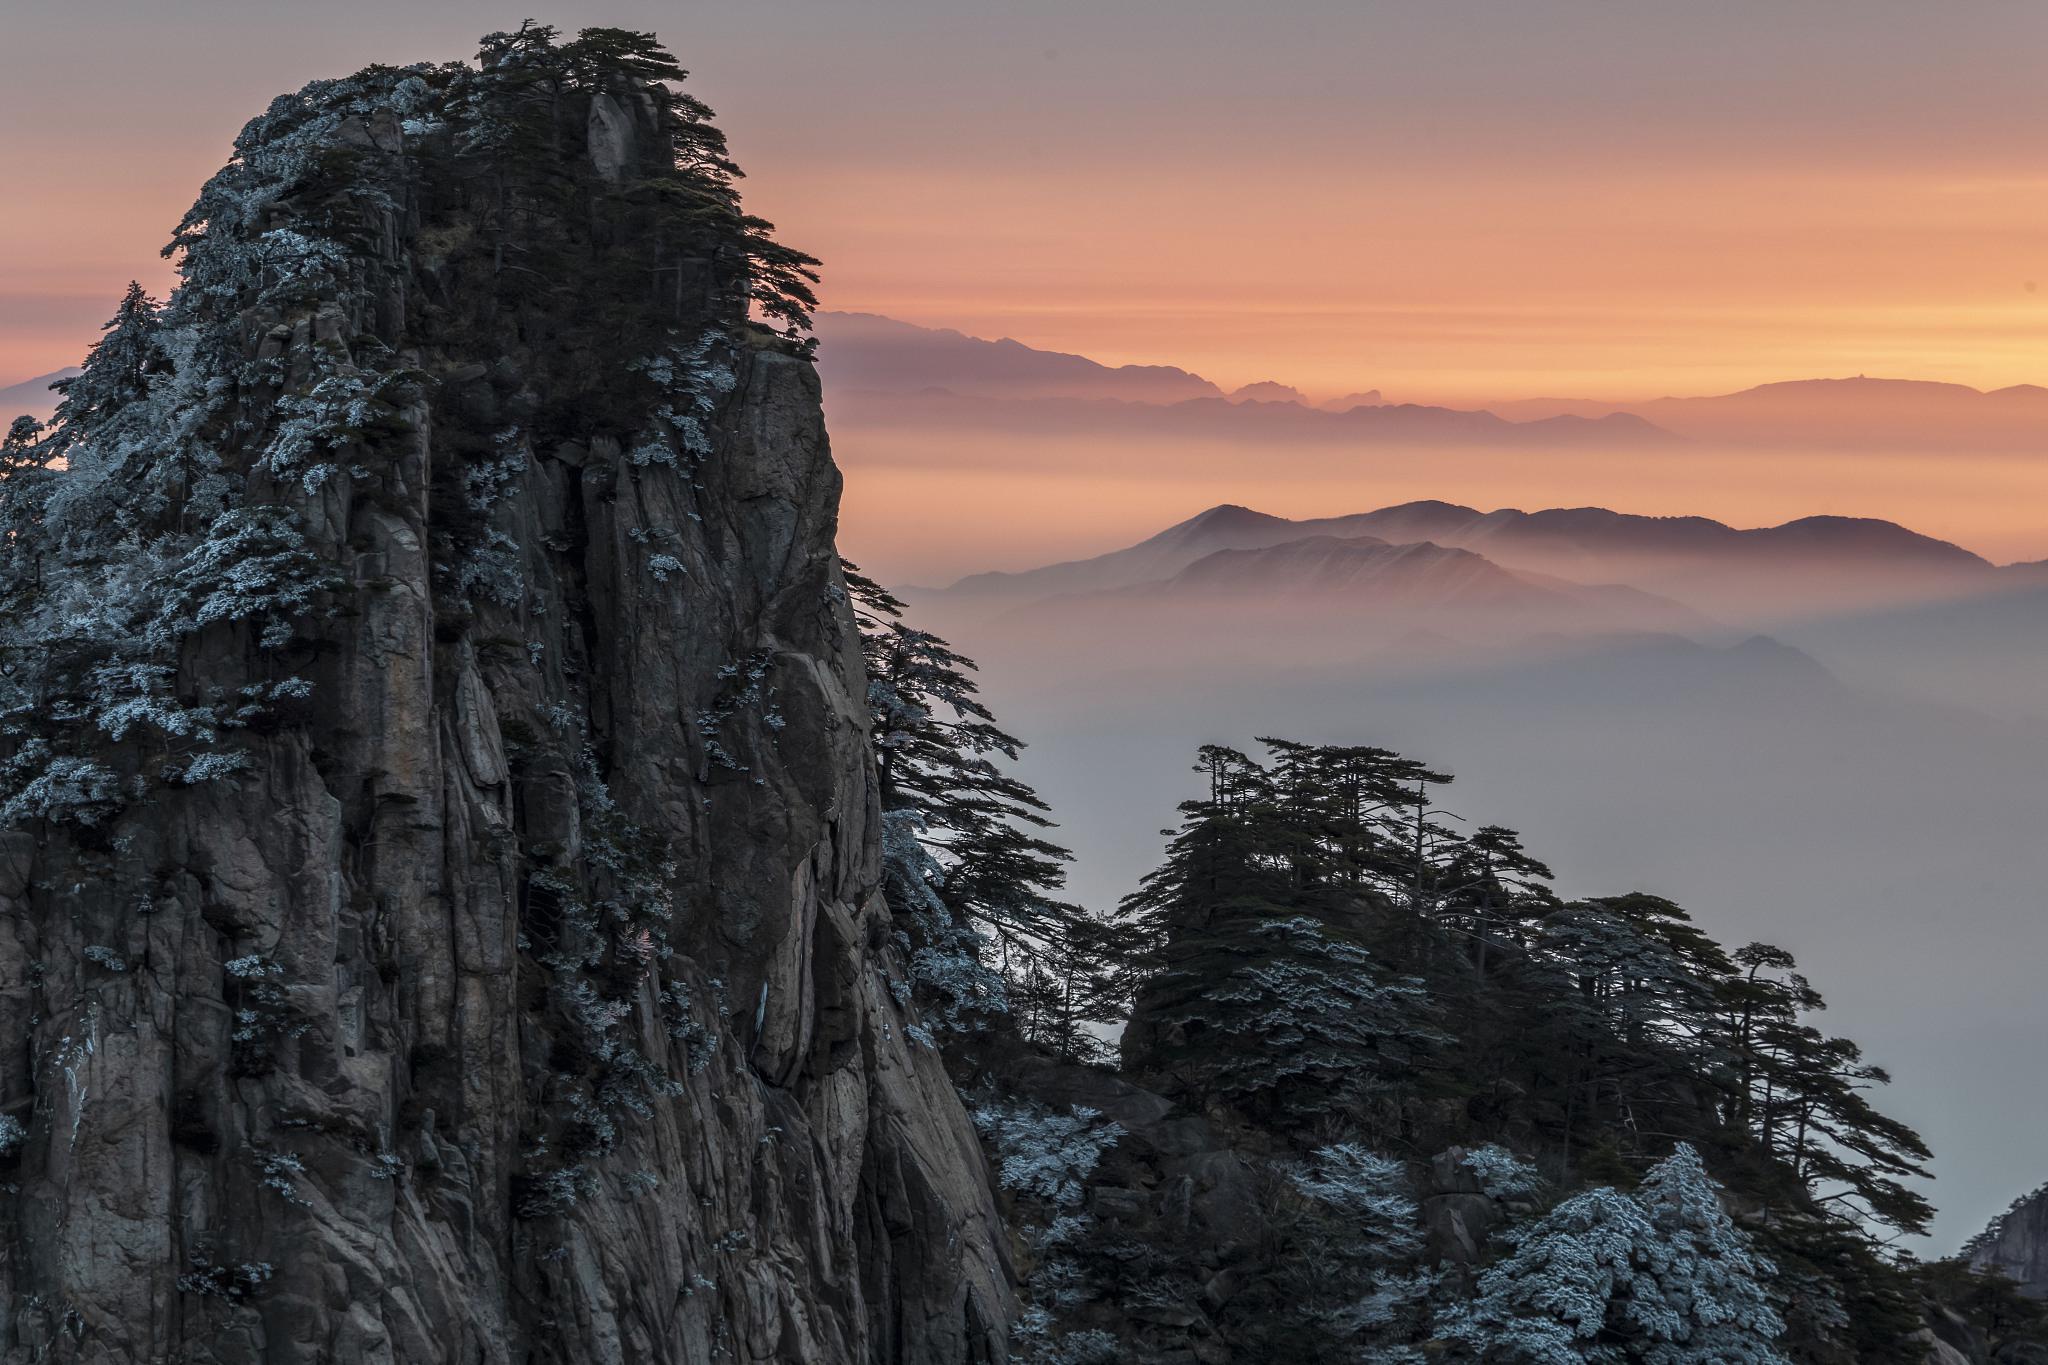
<point x="1868" y="787"/>
<point x="926" y="504"/>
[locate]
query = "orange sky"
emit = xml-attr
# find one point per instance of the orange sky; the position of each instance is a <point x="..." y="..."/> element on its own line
<point x="1515" y="285"/>
<point x="1451" y="201"/>
<point x="1456" y="201"/>
<point x="927" y="505"/>
<point x="1506" y="282"/>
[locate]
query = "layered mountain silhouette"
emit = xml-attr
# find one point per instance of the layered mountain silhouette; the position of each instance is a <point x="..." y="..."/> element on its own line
<point x="881" y="372"/>
<point x="1695" y="559"/>
<point x="952" y="377"/>
<point x="1268" y="391"/>
<point x="1368" y="398"/>
<point x="1412" y="426"/>
<point x="865" y="352"/>
<point x="1858" y="412"/>
<point x="1332" y="565"/>
<point x="1347" y="579"/>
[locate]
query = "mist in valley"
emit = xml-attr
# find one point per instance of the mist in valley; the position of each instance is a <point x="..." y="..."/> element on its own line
<point x="1848" y="763"/>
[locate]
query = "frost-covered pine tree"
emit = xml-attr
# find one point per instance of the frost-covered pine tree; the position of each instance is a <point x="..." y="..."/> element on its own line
<point x="968" y="873"/>
<point x="1661" y="1276"/>
<point x="1043" y="1160"/>
<point x="1355" y="1277"/>
<point x="1260" y="993"/>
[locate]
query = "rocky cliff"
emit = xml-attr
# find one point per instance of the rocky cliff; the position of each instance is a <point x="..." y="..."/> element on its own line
<point x="2016" y="1244"/>
<point x="438" y="891"/>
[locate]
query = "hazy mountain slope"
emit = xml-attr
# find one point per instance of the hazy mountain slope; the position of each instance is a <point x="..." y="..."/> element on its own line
<point x="1228" y="527"/>
<point x="860" y="352"/>
<point x="32" y="397"/>
<point x="1330" y="567"/>
<point x="1380" y="608"/>
<point x="1693" y="558"/>
<point x="1346" y="402"/>
<point x="1857" y="412"/>
<point x="1989" y="649"/>
<point x="1267" y="391"/>
<point x="1363" y="575"/>
<point x="1810" y="561"/>
<point x="1409" y="425"/>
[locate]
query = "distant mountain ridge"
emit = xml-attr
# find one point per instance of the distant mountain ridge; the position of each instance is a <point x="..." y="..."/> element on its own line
<point x="1583" y="545"/>
<point x="32" y="397"/>
<point x="1325" y="565"/>
<point x="1854" y="412"/>
<point x="1341" y="574"/>
<point x="868" y="352"/>
<point x="879" y="371"/>
<point x="1411" y="424"/>
<point x="951" y="374"/>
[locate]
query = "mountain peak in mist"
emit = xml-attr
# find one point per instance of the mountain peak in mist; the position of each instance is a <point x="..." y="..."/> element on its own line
<point x="1366" y="398"/>
<point x="1224" y="519"/>
<point x="1414" y="573"/>
<point x="1856" y="412"/>
<point x="1703" y="562"/>
<point x="1268" y="391"/>
<point x="869" y="352"/>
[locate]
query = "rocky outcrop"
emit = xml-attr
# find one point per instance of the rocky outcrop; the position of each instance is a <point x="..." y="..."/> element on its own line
<point x="2016" y="1245"/>
<point x="1458" y="1215"/>
<point x="516" y="986"/>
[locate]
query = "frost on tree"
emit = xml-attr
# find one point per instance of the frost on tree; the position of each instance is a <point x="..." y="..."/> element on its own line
<point x="188" y="481"/>
<point x="1660" y="1276"/>
<point x="1356" y="1277"/>
<point x="177" y="546"/>
<point x="1043" y="1160"/>
<point x="969" y="877"/>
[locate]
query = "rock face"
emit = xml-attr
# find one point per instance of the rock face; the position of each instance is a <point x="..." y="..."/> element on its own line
<point x="1457" y="1212"/>
<point x="516" y="985"/>
<point x="2016" y="1244"/>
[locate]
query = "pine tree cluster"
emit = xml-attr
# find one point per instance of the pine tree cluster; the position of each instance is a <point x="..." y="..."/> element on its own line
<point x="1334" y="970"/>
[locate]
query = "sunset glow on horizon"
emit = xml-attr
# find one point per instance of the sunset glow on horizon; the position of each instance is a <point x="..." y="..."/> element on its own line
<point x="1584" y="202"/>
<point x="1455" y="204"/>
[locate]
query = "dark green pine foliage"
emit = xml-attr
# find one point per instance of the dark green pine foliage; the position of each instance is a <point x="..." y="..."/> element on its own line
<point x="1328" y="953"/>
<point x="969" y="873"/>
<point x="1634" y="986"/>
<point x="1072" y="991"/>
<point x="116" y="373"/>
<point x="673" y="222"/>
<point x="1261" y="993"/>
